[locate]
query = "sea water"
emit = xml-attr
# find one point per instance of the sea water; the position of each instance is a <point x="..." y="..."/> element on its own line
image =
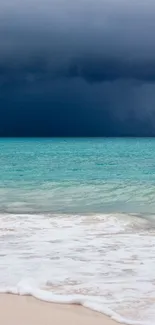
<point x="77" y="223"/>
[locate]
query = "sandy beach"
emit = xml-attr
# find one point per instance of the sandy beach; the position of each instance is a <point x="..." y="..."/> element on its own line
<point x="24" y="310"/>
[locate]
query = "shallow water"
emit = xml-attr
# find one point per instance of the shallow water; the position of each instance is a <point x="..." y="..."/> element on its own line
<point x="77" y="223"/>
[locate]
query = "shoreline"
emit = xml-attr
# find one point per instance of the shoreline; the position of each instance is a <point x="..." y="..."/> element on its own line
<point x="27" y="310"/>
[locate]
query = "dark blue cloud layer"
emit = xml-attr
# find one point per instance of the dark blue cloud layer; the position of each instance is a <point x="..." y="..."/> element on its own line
<point x="82" y="68"/>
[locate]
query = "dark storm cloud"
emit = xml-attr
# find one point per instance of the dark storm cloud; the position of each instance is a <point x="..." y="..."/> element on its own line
<point x="92" y="70"/>
<point x="77" y="67"/>
<point x="111" y="69"/>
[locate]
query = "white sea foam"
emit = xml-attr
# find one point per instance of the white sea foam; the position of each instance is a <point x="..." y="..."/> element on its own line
<point x="85" y="301"/>
<point x="103" y="262"/>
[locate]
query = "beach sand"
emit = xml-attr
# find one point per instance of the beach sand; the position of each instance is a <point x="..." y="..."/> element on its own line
<point x="24" y="310"/>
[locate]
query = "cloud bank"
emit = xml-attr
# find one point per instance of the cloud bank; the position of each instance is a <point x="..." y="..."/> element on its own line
<point x="71" y="68"/>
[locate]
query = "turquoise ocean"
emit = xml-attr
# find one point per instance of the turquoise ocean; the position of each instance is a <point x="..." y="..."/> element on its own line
<point x="77" y="223"/>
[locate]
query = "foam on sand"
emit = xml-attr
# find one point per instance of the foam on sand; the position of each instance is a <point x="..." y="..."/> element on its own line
<point x="103" y="262"/>
<point x="94" y="304"/>
<point x="29" y="311"/>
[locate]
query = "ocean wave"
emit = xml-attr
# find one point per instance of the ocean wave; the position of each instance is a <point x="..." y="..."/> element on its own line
<point x="102" y="261"/>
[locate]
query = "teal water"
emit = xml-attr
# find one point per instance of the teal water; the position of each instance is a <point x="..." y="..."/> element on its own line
<point x="77" y="175"/>
<point x="77" y="223"/>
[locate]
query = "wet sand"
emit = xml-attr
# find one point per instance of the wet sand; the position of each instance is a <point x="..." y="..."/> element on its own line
<point x="24" y="310"/>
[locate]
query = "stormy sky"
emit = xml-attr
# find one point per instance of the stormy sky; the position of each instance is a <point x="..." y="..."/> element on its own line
<point x="77" y="68"/>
